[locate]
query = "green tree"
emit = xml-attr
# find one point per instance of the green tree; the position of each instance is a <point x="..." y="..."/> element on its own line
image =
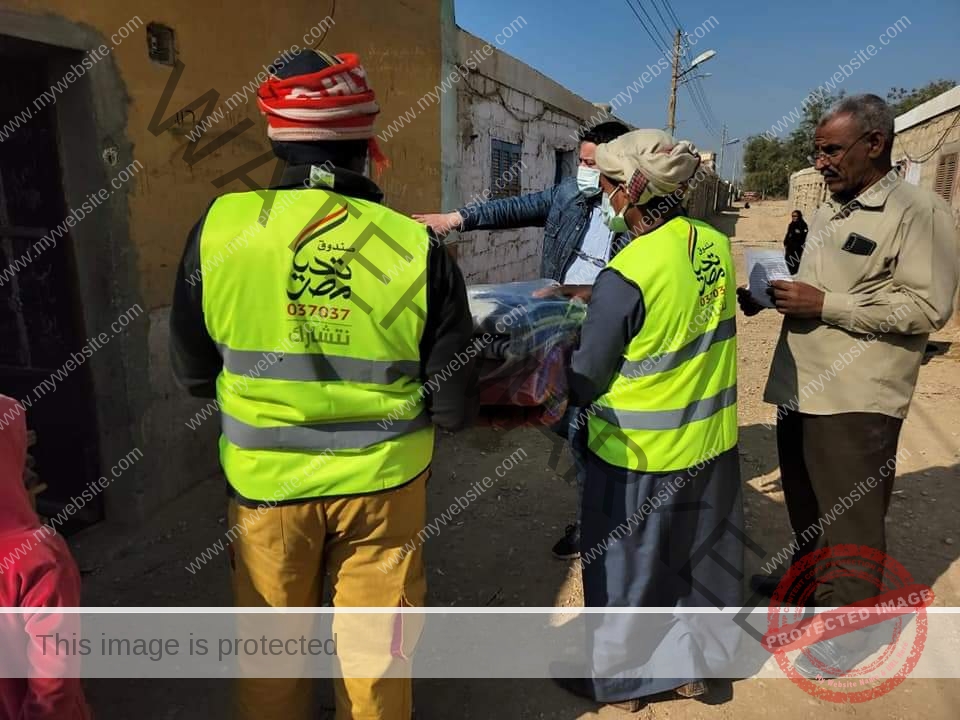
<point x="768" y="163"/>
<point x="903" y="100"/>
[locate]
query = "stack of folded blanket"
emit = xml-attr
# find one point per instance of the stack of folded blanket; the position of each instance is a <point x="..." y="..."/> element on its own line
<point x="526" y="345"/>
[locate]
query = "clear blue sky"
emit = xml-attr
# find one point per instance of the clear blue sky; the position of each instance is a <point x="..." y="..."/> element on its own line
<point x="769" y="55"/>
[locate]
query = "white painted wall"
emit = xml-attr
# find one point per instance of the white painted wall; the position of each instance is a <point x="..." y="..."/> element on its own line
<point x="505" y="99"/>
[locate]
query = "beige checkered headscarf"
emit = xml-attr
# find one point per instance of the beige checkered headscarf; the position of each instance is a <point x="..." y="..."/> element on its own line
<point x="649" y="163"/>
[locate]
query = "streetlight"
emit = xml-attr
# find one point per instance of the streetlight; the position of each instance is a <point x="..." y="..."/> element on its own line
<point x="723" y="143"/>
<point x="701" y="58"/>
<point x="675" y="79"/>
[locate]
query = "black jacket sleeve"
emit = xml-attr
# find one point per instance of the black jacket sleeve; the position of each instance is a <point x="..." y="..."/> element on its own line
<point x="193" y="354"/>
<point x="615" y="315"/>
<point x="449" y="371"/>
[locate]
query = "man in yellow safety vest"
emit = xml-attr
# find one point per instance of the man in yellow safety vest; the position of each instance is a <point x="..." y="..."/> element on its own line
<point x="334" y="333"/>
<point x="656" y="374"/>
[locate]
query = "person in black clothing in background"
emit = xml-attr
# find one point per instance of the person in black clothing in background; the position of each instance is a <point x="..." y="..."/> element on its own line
<point x="794" y="241"/>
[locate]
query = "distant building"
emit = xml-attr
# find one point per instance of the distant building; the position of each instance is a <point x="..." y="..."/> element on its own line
<point x="927" y="146"/>
<point x="926" y="151"/>
<point x="807" y="191"/>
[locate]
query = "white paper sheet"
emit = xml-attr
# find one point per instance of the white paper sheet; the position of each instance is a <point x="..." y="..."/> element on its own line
<point x="763" y="267"/>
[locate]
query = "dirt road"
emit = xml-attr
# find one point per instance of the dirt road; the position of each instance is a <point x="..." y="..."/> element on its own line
<point x="498" y="552"/>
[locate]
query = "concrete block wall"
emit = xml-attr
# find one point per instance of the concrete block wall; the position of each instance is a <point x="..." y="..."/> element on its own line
<point x="807" y="191"/>
<point x="488" y="110"/>
<point x="703" y="196"/>
<point x="491" y="109"/>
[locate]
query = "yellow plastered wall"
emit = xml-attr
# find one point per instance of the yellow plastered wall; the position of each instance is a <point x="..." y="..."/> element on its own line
<point x="223" y="46"/>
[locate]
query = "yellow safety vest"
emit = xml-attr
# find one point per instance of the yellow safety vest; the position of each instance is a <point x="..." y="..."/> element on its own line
<point x="318" y="317"/>
<point x="673" y="403"/>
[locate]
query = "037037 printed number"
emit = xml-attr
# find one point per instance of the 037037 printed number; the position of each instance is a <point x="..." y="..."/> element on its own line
<point x="303" y="310"/>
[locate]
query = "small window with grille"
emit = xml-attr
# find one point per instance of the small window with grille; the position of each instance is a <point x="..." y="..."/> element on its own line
<point x="943" y="184"/>
<point x="161" y="44"/>
<point x="506" y="162"/>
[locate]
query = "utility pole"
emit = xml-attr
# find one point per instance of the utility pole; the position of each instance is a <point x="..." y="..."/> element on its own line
<point x="736" y="172"/>
<point x="674" y="81"/>
<point x="723" y="144"/>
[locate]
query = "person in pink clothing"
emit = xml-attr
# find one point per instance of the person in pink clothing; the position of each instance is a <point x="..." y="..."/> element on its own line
<point x="36" y="571"/>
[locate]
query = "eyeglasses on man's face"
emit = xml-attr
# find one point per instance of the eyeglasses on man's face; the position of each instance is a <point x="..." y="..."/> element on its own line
<point x="833" y="154"/>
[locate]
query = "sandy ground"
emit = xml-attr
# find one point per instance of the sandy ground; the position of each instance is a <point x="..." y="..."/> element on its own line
<point x="498" y="554"/>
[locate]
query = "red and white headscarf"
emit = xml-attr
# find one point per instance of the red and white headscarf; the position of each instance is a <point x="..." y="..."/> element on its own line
<point x="336" y="103"/>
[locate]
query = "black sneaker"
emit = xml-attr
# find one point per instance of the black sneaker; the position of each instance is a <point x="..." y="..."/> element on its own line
<point x="568" y="547"/>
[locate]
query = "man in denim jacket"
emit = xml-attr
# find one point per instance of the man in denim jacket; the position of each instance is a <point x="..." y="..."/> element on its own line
<point x="576" y="246"/>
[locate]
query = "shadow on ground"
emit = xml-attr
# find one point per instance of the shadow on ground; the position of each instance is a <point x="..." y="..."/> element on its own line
<point x="921" y="524"/>
<point x="497" y="553"/>
<point x="726" y="221"/>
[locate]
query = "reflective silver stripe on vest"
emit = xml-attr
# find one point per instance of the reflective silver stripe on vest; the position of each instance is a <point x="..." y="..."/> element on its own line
<point x="307" y="367"/>
<point x="724" y="330"/>
<point x="669" y="419"/>
<point x="320" y="436"/>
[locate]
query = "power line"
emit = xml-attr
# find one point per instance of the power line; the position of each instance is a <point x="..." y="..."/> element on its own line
<point x="656" y="39"/>
<point x="700" y="101"/>
<point x="698" y="106"/>
<point x="666" y="35"/>
<point x="673" y="23"/>
<point x="671" y="13"/>
<point x="701" y="112"/>
<point x="711" y="123"/>
<point x="923" y="157"/>
<point x="697" y="95"/>
<point x="711" y="116"/>
<point x="668" y="25"/>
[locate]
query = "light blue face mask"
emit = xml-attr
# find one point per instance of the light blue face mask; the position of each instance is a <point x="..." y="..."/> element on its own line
<point x="613" y="220"/>
<point x="588" y="180"/>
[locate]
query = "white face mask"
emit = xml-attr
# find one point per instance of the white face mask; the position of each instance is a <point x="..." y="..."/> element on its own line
<point x="588" y="180"/>
<point x="613" y="220"/>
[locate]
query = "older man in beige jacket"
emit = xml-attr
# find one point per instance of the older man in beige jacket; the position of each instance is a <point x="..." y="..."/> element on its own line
<point x="878" y="274"/>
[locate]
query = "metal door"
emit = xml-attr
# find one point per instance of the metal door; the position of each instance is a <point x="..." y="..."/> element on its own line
<point x="40" y="312"/>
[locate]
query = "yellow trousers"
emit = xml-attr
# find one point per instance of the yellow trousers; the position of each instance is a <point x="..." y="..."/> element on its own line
<point x="280" y="560"/>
